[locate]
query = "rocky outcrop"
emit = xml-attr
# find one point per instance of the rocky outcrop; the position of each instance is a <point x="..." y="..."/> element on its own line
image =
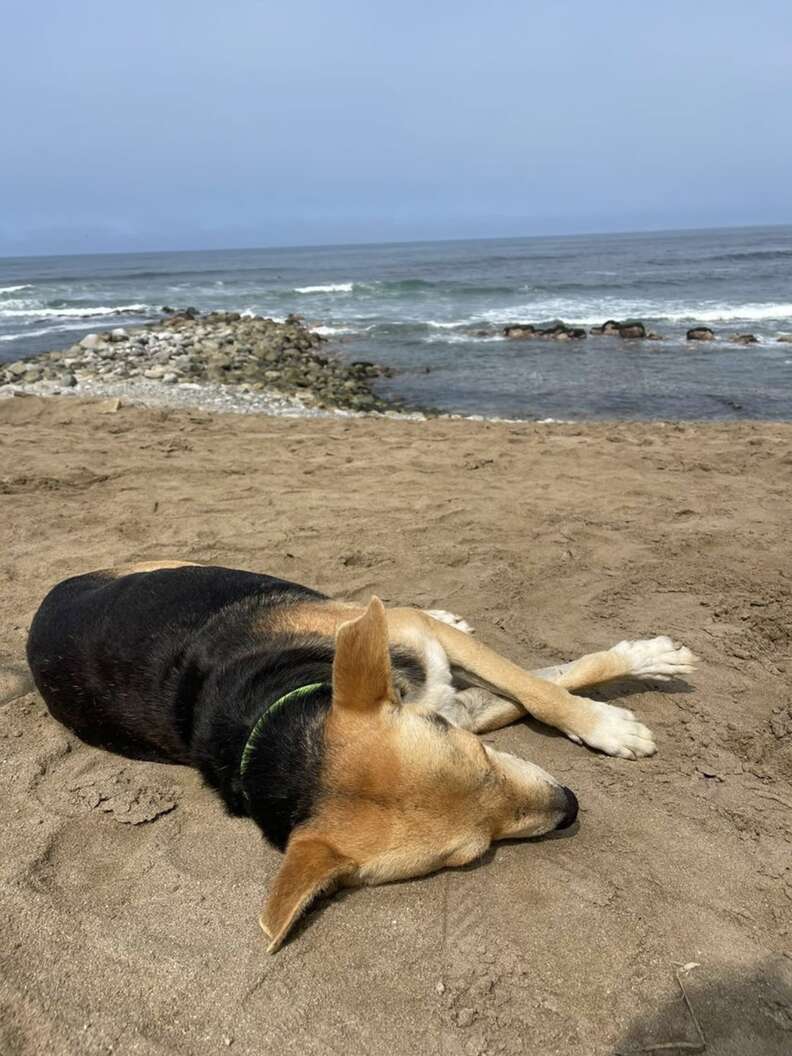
<point x="224" y="347"/>
<point x="744" y="339"/>
<point x="785" y="339"/>
<point x="630" y="329"/>
<point x="700" y="333"/>
<point x="557" y="331"/>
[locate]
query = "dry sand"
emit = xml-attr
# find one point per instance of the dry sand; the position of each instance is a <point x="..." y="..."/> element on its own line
<point x="129" y="900"/>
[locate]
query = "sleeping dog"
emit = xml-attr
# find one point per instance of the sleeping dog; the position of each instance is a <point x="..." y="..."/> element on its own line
<point x="346" y="733"/>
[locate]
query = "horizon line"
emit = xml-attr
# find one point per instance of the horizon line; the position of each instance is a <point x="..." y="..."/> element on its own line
<point x="396" y="242"/>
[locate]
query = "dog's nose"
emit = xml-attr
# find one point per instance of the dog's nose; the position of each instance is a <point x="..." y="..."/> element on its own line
<point x="571" y="809"/>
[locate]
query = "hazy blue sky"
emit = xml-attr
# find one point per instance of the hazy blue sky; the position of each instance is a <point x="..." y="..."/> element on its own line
<point x="188" y="124"/>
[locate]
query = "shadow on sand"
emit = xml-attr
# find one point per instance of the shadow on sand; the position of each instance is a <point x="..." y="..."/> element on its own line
<point x="740" y="1014"/>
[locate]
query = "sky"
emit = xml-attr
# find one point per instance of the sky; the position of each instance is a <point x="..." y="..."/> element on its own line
<point x="185" y="124"/>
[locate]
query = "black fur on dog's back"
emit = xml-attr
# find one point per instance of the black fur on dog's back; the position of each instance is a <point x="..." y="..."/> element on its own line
<point x="176" y="665"/>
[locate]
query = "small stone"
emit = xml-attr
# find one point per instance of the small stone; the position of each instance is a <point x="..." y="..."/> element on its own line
<point x="17" y="369"/>
<point x="119" y="334"/>
<point x="91" y="341"/>
<point x="465" y="1017"/>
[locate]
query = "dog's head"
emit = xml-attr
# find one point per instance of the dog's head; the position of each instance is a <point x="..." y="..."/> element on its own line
<point x="403" y="792"/>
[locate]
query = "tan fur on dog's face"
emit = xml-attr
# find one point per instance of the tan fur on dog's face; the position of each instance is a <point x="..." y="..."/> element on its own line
<point x="403" y="792"/>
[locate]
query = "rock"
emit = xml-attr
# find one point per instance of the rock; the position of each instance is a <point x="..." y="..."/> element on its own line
<point x="17" y="369"/>
<point x="700" y="333"/>
<point x="119" y="334"/>
<point x="67" y="380"/>
<point x="32" y="375"/>
<point x="91" y="341"/>
<point x="558" y="331"/>
<point x="785" y="339"/>
<point x="609" y="327"/>
<point x="632" y="329"/>
<point x="744" y="339"/>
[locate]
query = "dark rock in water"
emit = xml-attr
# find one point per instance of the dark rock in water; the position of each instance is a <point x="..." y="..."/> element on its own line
<point x="630" y="329"/>
<point x="785" y="339"/>
<point x="166" y="308"/>
<point x="519" y="330"/>
<point x="701" y="333"/>
<point x="652" y="336"/>
<point x="557" y="331"/>
<point x="744" y="339"/>
<point x="611" y="326"/>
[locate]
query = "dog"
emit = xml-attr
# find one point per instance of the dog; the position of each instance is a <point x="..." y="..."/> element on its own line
<point x="347" y="733"/>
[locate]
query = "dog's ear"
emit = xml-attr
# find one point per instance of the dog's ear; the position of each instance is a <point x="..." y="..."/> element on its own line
<point x="362" y="669"/>
<point x="311" y="867"/>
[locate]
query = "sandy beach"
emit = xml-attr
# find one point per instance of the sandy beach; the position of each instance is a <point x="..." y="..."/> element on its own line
<point x="129" y="901"/>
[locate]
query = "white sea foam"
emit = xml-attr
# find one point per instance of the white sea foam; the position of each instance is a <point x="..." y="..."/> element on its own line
<point x="15" y="289"/>
<point x="71" y="313"/>
<point x="580" y="312"/>
<point x="745" y="313"/>
<point x="333" y="331"/>
<point x="330" y="287"/>
<point x="460" y="339"/>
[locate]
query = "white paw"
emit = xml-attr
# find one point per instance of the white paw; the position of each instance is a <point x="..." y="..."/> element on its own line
<point x="656" y="658"/>
<point x="450" y="618"/>
<point x="615" y="731"/>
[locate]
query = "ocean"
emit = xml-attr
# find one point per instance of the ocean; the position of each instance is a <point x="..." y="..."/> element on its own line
<point x="434" y="310"/>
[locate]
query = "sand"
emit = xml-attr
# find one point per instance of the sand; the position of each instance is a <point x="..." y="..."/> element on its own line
<point x="130" y="901"/>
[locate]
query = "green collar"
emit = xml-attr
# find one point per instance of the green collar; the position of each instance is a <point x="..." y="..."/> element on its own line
<point x="247" y="751"/>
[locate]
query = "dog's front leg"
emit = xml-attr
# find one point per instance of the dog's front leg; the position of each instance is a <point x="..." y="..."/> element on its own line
<point x="613" y="730"/>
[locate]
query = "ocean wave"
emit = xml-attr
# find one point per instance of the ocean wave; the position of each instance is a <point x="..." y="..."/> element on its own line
<point x="754" y="254"/>
<point x="745" y="313"/>
<point x="74" y="313"/>
<point x="461" y="339"/>
<point x="330" y="287"/>
<point x="333" y="331"/>
<point x="591" y="313"/>
<point x="22" y="335"/>
<point x="16" y="289"/>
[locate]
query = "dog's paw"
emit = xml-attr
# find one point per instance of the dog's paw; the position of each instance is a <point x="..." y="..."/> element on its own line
<point x="450" y="618"/>
<point x="615" y="731"/>
<point x="658" y="659"/>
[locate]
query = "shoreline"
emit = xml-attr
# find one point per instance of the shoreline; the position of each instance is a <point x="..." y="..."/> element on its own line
<point x="232" y="362"/>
